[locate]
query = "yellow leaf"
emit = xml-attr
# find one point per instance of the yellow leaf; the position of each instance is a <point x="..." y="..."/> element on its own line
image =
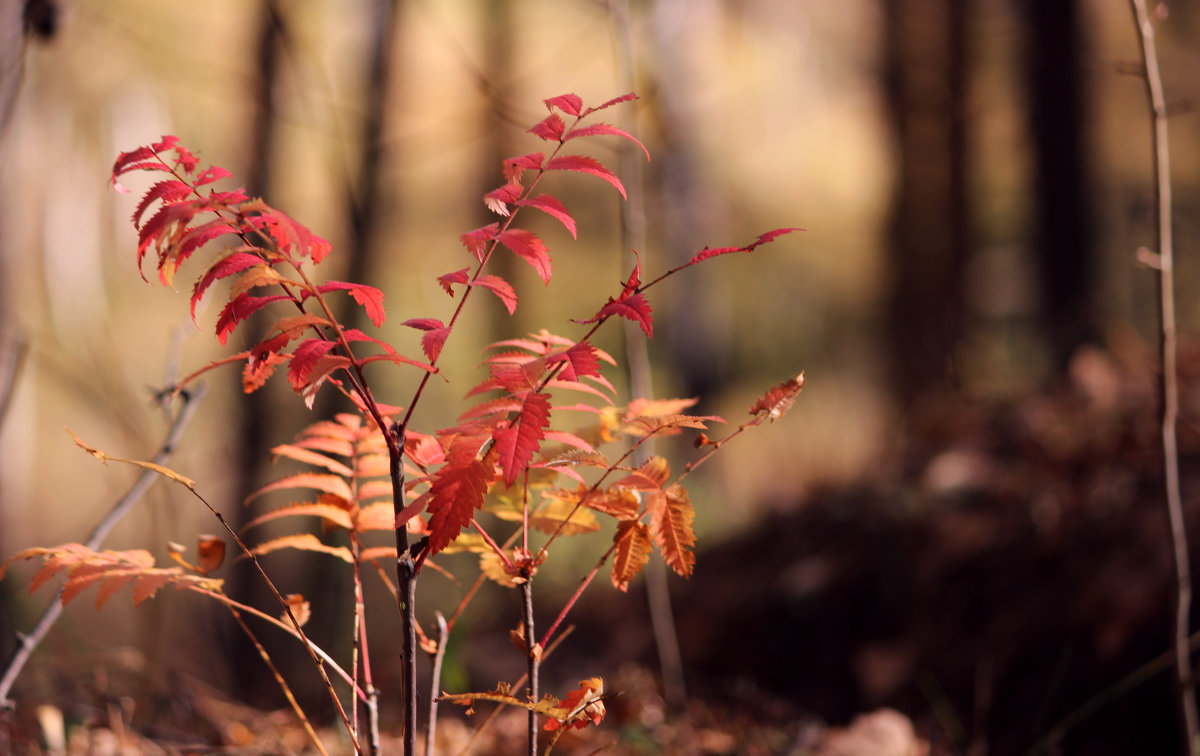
<point x="163" y="471"/>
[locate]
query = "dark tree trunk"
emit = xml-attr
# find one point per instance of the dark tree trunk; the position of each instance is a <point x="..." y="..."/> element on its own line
<point x="494" y="83"/>
<point x="257" y="421"/>
<point x="1062" y="242"/>
<point x="364" y="198"/>
<point x="925" y="70"/>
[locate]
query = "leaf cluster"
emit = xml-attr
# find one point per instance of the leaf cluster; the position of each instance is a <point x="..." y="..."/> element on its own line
<point x="542" y="446"/>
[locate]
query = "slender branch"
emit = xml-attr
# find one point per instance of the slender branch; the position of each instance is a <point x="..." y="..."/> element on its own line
<point x="287" y="690"/>
<point x="520" y="681"/>
<point x="27" y="643"/>
<point x="1170" y="385"/>
<point x="371" y="700"/>
<point x="287" y="628"/>
<point x="1135" y="679"/>
<point x="309" y="646"/>
<point x="533" y="654"/>
<point x="436" y="682"/>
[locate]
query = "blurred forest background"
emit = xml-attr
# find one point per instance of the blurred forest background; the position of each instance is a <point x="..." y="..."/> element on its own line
<point x="974" y="179"/>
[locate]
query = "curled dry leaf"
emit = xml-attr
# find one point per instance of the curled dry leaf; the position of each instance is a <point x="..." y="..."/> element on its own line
<point x="300" y="608"/>
<point x="779" y="399"/>
<point x="210" y="551"/>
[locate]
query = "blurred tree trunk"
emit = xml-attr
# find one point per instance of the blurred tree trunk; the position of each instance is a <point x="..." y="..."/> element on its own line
<point x="255" y="417"/>
<point x="925" y="75"/>
<point x="1062" y="241"/>
<point x="696" y="334"/>
<point x="364" y="198"/>
<point x="494" y="81"/>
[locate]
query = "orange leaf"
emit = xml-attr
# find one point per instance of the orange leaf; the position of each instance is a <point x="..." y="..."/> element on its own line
<point x="633" y="552"/>
<point x="303" y="542"/>
<point x="331" y="484"/>
<point x="650" y="476"/>
<point x="671" y="516"/>
<point x="333" y="509"/>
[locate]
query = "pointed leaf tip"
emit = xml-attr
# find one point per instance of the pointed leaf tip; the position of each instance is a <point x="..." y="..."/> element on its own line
<point x="568" y="103"/>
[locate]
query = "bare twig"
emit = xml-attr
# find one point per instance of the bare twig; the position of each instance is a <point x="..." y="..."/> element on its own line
<point x="287" y="690"/>
<point x="436" y="682"/>
<point x="1170" y="386"/>
<point x="1138" y="677"/>
<point x="27" y="643"/>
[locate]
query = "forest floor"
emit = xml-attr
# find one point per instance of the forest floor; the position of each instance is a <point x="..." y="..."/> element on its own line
<point x="1003" y="585"/>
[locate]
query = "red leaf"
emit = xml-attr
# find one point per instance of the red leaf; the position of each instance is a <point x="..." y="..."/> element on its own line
<point x="166" y="216"/>
<point x="231" y="197"/>
<point x="550" y="128"/>
<point x="240" y="308"/>
<point x="584" y="164"/>
<point x="126" y="162"/>
<point x="518" y="378"/>
<point x="552" y="207"/>
<point x="291" y="237"/>
<point x="223" y="267"/>
<point x="435" y="335"/>
<point x="501" y="289"/>
<point x="424" y="324"/>
<point x="399" y="359"/>
<point x="318" y="374"/>
<point x="779" y="399"/>
<point x="369" y="297"/>
<point x="610" y="103"/>
<point x="604" y="129"/>
<point x="198" y="236"/>
<point x="526" y="245"/>
<point x="568" y="103"/>
<point x="168" y="191"/>
<point x="304" y="358"/>
<point x="634" y="307"/>
<point x="458" y="276"/>
<point x="432" y="342"/>
<point x="183" y="156"/>
<point x="476" y="241"/>
<point x="769" y="236"/>
<point x="454" y="495"/>
<point x="706" y="253"/>
<point x="211" y="174"/>
<point x="498" y="200"/>
<point x="168" y="141"/>
<point x="517" y="443"/>
<point x="514" y="167"/>
<point x="580" y="360"/>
